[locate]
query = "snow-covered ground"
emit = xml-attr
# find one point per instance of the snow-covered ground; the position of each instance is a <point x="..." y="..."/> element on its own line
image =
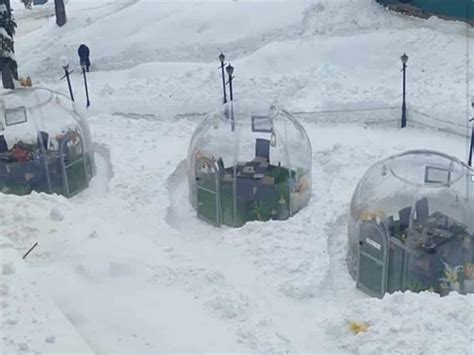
<point x="127" y="262"/>
<point x="30" y="320"/>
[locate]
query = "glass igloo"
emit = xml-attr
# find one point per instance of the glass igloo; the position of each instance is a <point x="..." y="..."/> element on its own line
<point x="249" y="161"/>
<point x="45" y="145"/>
<point x="411" y="225"/>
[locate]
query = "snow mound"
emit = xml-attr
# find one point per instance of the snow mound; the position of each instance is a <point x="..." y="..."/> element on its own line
<point x="197" y="29"/>
<point x="31" y="322"/>
<point x="424" y="323"/>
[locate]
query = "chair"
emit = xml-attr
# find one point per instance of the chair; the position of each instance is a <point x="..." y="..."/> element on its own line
<point x="220" y="167"/>
<point x="404" y="215"/>
<point x="422" y="210"/>
<point x="245" y="188"/>
<point x="3" y="144"/>
<point x="262" y="149"/>
<point x="220" y="164"/>
<point x="42" y="139"/>
<point x="389" y="223"/>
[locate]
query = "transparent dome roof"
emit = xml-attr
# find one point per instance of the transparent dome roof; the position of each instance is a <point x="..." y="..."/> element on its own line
<point x="45" y="144"/>
<point x="410" y="167"/>
<point x="419" y="203"/>
<point x="255" y="158"/>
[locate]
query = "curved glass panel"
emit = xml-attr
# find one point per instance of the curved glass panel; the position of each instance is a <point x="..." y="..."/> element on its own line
<point x="34" y="124"/>
<point x="249" y="161"/>
<point x="422" y="205"/>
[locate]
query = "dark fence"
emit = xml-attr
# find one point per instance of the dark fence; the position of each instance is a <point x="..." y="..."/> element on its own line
<point x="379" y="116"/>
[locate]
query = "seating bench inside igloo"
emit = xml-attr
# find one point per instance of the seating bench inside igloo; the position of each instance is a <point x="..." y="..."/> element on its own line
<point x="411" y="225"/>
<point x="45" y="144"/>
<point x="249" y="161"/>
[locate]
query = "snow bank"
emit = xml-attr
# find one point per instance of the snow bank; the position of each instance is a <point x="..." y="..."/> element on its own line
<point x="30" y="321"/>
<point x="24" y="220"/>
<point x="303" y="75"/>
<point x="163" y="31"/>
<point x="423" y="323"/>
<point x="309" y="55"/>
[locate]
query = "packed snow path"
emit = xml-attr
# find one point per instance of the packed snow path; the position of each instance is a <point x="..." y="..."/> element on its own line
<point x="128" y="262"/>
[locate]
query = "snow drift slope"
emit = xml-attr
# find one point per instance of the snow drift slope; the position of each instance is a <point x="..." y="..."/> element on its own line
<point x="309" y="55"/>
<point x="30" y="321"/>
<point x="168" y="31"/>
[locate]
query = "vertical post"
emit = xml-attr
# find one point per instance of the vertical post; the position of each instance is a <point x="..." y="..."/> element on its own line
<point x="60" y="11"/>
<point x="404" y="104"/>
<point x="472" y="144"/>
<point x="69" y="84"/>
<point x="404" y="59"/>
<point x="88" y="103"/>
<point x="230" y="71"/>
<point x="64" y="61"/>
<point x="222" y="58"/>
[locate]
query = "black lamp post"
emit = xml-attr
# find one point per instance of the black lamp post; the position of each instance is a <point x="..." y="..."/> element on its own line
<point x="221" y="59"/>
<point x="230" y="71"/>
<point x="88" y="103"/>
<point x="472" y="144"/>
<point x="65" y="64"/>
<point x="404" y="59"/>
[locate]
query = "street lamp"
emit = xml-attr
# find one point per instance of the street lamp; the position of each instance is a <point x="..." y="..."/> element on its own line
<point x="221" y="59"/>
<point x="472" y="143"/>
<point x="88" y="102"/>
<point x="230" y="71"/>
<point x="404" y="59"/>
<point x="64" y="62"/>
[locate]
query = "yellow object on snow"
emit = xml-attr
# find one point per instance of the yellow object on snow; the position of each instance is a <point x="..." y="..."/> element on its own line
<point x="358" y="327"/>
<point x="26" y="82"/>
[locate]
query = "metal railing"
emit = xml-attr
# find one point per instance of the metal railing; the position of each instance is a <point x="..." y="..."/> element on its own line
<point x="386" y="116"/>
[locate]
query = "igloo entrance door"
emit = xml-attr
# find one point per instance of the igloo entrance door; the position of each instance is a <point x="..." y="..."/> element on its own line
<point x="373" y="258"/>
<point x="208" y="191"/>
<point x="74" y="164"/>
